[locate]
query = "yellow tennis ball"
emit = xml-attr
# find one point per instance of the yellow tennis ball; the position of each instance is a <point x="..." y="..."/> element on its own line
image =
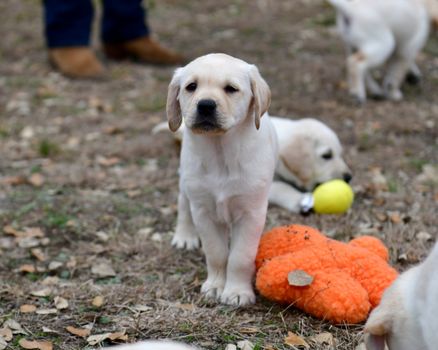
<point x="332" y="197"/>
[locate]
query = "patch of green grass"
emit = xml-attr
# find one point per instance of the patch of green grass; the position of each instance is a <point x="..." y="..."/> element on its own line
<point x="48" y="148"/>
<point x="417" y="163"/>
<point x="56" y="218"/>
<point x="324" y="19"/>
<point x="392" y="185"/>
<point x="151" y="104"/>
<point x="104" y="320"/>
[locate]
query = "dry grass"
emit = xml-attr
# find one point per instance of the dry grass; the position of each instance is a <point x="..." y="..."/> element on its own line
<point x="103" y="171"/>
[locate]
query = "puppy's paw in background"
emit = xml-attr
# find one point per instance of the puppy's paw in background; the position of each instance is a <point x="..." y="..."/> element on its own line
<point x="186" y="239"/>
<point x="213" y="288"/>
<point x="238" y="296"/>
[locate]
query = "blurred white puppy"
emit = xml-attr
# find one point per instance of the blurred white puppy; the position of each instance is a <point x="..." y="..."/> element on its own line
<point x="228" y="159"/>
<point x="153" y="345"/>
<point x="383" y="31"/>
<point x="309" y="154"/>
<point x="406" y="318"/>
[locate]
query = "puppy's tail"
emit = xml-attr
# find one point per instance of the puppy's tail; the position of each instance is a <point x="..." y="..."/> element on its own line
<point x="164" y="126"/>
<point x="343" y="6"/>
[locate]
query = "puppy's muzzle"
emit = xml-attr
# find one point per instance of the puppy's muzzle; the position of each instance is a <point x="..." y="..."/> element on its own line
<point x="206" y="116"/>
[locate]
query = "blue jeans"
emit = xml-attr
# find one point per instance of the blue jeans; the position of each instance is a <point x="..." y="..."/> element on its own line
<point x="68" y="22"/>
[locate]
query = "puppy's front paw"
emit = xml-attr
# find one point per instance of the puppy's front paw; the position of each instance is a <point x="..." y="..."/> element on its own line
<point x="238" y="297"/>
<point x="213" y="289"/>
<point x="395" y="95"/>
<point x="357" y="100"/>
<point x="185" y="240"/>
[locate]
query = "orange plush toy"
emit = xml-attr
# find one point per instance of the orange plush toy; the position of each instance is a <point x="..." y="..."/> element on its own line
<point x="348" y="279"/>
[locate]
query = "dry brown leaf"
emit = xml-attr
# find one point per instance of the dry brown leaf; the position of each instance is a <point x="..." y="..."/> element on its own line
<point x="50" y="280"/>
<point x="299" y="278"/>
<point x="27" y="308"/>
<point x="80" y="332"/>
<point x="34" y="232"/>
<point x="61" y="303"/>
<point x="36" y="180"/>
<point x="118" y="336"/>
<point x="45" y="292"/>
<point x="46" y="311"/>
<point x="9" y="230"/>
<point x="97" y="338"/>
<point x="3" y="343"/>
<point x="107" y="162"/>
<point x="103" y="269"/>
<point x="245" y="345"/>
<point x="98" y="301"/>
<point x="28" y="242"/>
<point x="141" y="308"/>
<point x="395" y="217"/>
<point x="35" y="344"/>
<point x="38" y="254"/>
<point x="295" y="340"/>
<point x="324" y="338"/>
<point x="6" y="333"/>
<point x="14" y="180"/>
<point x="249" y="330"/>
<point x="55" y="265"/>
<point x="28" y="268"/>
<point x="14" y="326"/>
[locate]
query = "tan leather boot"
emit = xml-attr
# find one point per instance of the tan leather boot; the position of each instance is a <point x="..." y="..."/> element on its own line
<point x="144" y="49"/>
<point x="76" y="62"/>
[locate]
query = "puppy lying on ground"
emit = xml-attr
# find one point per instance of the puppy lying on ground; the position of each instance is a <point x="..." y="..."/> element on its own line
<point x="227" y="164"/>
<point x="406" y="318"/>
<point x="309" y="154"/>
<point x="383" y="31"/>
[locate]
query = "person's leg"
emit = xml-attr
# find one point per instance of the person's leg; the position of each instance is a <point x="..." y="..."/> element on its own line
<point x="67" y="22"/>
<point x="123" y="20"/>
<point x="125" y="34"/>
<point x="67" y="26"/>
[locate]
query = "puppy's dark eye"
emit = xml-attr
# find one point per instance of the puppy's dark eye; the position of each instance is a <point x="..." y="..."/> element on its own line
<point x="191" y="87"/>
<point x="229" y="89"/>
<point x="327" y="155"/>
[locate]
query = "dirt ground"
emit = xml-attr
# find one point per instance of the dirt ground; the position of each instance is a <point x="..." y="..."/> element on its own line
<point x="79" y="165"/>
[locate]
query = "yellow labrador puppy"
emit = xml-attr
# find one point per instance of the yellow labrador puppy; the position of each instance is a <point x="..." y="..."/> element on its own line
<point x="383" y="31"/>
<point x="310" y="153"/>
<point x="228" y="159"/>
<point x="406" y="318"/>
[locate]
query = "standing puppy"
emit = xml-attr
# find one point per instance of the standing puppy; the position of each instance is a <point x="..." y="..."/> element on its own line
<point x="228" y="159"/>
<point x="406" y="318"/>
<point x="379" y="31"/>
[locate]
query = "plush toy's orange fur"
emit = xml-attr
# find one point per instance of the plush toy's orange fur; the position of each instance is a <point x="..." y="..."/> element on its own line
<point x="349" y="279"/>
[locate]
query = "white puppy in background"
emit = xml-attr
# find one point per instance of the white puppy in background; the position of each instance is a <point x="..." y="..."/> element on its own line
<point x="383" y="31"/>
<point x="309" y="154"/>
<point x="228" y="159"/>
<point x="406" y="318"/>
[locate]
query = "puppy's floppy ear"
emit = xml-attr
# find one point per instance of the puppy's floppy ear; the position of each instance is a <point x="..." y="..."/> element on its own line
<point x="173" y="108"/>
<point x="298" y="157"/>
<point x="261" y="95"/>
<point x="379" y="324"/>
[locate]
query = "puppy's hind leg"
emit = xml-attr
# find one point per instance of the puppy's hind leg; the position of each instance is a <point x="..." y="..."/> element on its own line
<point x="374" y="89"/>
<point x="186" y="236"/>
<point x="370" y="55"/>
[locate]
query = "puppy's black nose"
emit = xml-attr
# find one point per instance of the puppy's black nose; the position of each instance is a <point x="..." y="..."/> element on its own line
<point x="347" y="177"/>
<point x="207" y="107"/>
